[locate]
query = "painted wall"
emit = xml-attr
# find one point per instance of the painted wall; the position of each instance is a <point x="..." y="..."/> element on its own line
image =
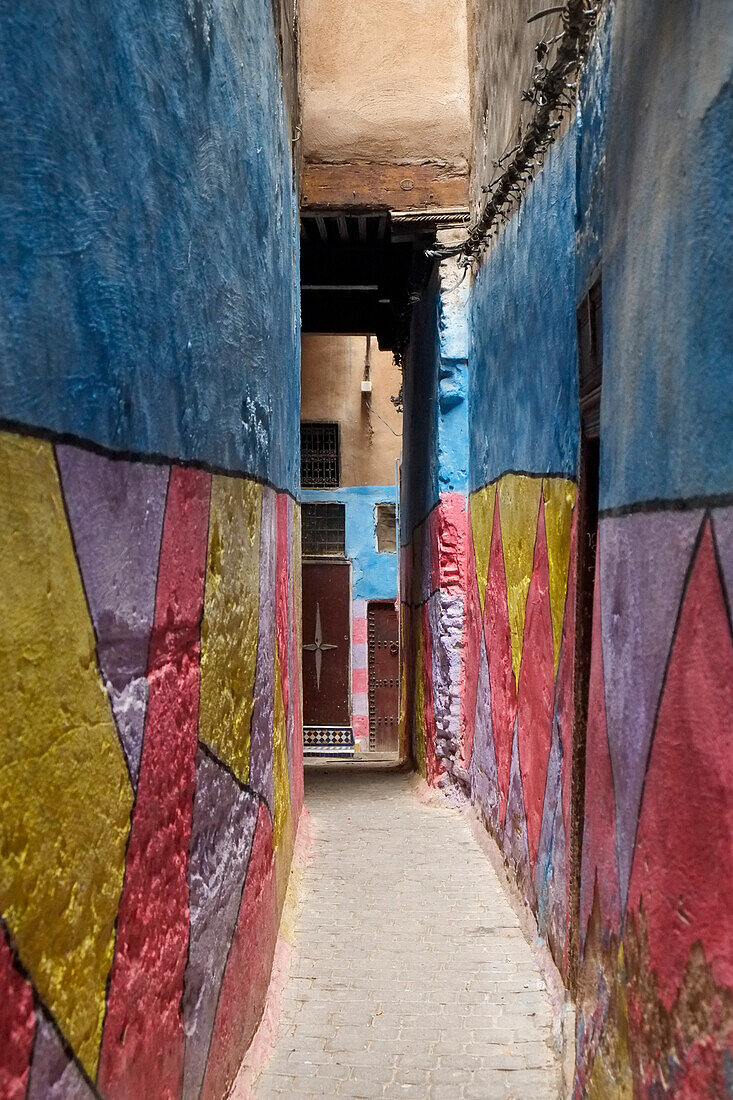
<point x="148" y="213"/>
<point x="151" y="753"/>
<point x="518" y="702"/>
<point x="656" y="985"/>
<point x="647" y="951"/>
<point x="434" y="527"/>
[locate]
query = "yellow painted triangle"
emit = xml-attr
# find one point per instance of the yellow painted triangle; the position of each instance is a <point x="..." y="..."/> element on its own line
<point x="560" y="495"/>
<point x="482" y="523"/>
<point x="519" y="505"/>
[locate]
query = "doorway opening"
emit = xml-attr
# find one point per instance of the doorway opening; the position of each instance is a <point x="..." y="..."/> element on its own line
<point x="360" y="267"/>
<point x="351" y="437"/>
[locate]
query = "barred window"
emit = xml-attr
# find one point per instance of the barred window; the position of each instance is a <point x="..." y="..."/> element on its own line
<point x="323" y="529"/>
<point x="319" y="456"/>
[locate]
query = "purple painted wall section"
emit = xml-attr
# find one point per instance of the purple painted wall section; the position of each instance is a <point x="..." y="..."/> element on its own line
<point x="53" y="1075"/>
<point x="224" y="818"/>
<point x="116" y="513"/>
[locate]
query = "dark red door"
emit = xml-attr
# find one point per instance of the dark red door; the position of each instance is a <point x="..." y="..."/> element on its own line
<point x="326" y="643"/>
<point x="384" y="677"/>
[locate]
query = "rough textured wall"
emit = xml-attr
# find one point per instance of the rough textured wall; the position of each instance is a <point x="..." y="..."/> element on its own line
<point x="368" y="95"/>
<point x="523" y="390"/>
<point x="150" y="757"/>
<point x="639" y="204"/>
<point x="501" y="53"/>
<point x="148" y="215"/>
<point x="434" y="527"/>
<point x="656" y="985"/>
<point x="523" y="465"/>
<point x="517" y="746"/>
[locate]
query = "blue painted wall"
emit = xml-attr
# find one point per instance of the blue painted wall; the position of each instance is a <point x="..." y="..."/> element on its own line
<point x="149" y="241"/>
<point x="667" y="413"/>
<point x="420" y="487"/>
<point x="436" y="433"/>
<point x="453" y="379"/>
<point x="651" y="205"/>
<point x="523" y="391"/>
<point x="373" y="575"/>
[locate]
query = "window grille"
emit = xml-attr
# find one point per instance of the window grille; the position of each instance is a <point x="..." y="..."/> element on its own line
<point x="319" y="456"/>
<point x="324" y="529"/>
<point x="386" y="529"/>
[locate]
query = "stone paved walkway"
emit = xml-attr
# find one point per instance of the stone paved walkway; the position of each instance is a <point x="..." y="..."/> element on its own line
<point x="410" y="977"/>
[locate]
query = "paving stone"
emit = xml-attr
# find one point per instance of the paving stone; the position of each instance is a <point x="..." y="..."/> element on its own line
<point x="410" y="975"/>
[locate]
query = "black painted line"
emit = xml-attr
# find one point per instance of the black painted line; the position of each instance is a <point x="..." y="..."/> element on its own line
<point x="660" y="504"/>
<point x="152" y="458"/>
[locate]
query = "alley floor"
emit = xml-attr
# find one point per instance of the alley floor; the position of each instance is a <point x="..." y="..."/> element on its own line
<point x="410" y="976"/>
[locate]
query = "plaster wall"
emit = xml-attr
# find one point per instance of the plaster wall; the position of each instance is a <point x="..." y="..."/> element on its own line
<point x="434" y="527"/>
<point x="385" y="82"/>
<point x="502" y="56"/>
<point x="639" y="929"/>
<point x="652" y="928"/>
<point x="332" y="369"/>
<point x="151" y="751"/>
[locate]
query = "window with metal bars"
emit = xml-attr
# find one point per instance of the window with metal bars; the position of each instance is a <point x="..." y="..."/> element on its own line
<point x="319" y="456"/>
<point x="323" y="530"/>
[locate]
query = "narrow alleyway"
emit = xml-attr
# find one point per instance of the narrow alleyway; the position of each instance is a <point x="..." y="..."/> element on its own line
<point x="411" y="976"/>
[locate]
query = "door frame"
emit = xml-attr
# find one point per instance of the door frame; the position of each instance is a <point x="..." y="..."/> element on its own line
<point x="397" y="608"/>
<point x="334" y="559"/>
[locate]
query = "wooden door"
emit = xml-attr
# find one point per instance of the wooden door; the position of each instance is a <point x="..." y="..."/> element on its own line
<point x="384" y="677"/>
<point x="326" y="643"/>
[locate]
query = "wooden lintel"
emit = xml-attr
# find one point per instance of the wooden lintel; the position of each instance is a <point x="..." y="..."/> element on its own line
<point x="383" y="186"/>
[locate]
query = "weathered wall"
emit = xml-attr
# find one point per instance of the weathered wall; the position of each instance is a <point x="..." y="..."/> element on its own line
<point x="370" y="426"/>
<point x="150" y="757"/>
<point x="630" y="191"/>
<point x="385" y="103"/>
<point x="434" y="527"/>
<point x="523" y="465"/>
<point x="367" y="92"/>
<point x="370" y="440"/>
<point x="501" y="53"/>
<point x="656" y="988"/>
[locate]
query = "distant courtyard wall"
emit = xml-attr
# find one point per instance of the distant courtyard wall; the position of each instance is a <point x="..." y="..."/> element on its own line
<point x="150" y="754"/>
